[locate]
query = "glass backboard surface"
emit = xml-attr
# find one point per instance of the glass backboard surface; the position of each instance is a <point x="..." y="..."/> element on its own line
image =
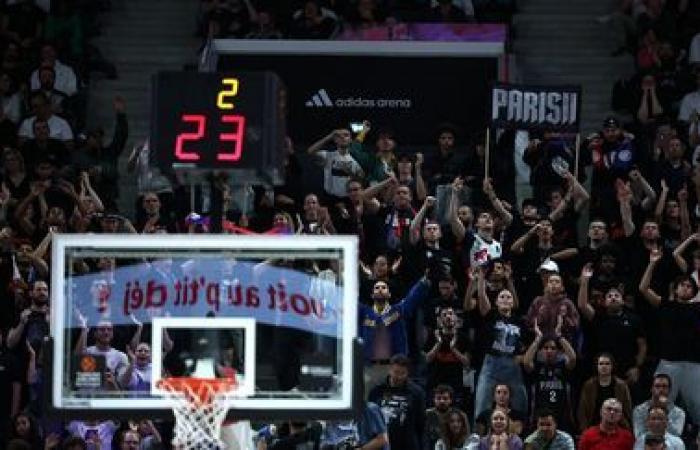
<point x="128" y="310"/>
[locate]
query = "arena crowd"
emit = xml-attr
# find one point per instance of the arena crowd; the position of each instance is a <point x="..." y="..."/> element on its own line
<point x="568" y="318"/>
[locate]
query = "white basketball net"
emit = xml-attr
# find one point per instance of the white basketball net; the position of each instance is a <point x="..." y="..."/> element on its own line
<point x="200" y="408"/>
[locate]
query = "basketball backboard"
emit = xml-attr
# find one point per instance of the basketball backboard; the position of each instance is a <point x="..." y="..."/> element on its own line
<point x="277" y="312"/>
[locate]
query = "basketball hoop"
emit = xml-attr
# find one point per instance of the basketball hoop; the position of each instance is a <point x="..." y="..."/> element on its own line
<point x="200" y="406"/>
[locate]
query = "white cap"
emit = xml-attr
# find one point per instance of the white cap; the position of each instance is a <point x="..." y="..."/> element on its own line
<point x="549" y="266"/>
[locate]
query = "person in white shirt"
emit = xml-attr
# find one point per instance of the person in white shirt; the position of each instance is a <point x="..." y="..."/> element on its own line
<point x="657" y="424"/>
<point x="58" y="128"/>
<point x="660" y="390"/>
<point x="690" y="105"/>
<point x="338" y="166"/>
<point x="66" y="81"/>
<point x="97" y="435"/>
<point x="115" y="360"/>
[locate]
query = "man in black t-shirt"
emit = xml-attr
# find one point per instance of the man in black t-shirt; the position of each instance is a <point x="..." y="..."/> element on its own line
<point x="445" y="163"/>
<point x="32" y="325"/>
<point x="447" y="297"/>
<point x="522" y="222"/>
<point x="436" y="417"/>
<point x="427" y="250"/>
<point x="531" y="250"/>
<point x="153" y="219"/>
<point x="597" y="237"/>
<point x="43" y="148"/>
<point x="403" y="405"/>
<point x="614" y="329"/>
<point x="636" y="249"/>
<point x="679" y="336"/>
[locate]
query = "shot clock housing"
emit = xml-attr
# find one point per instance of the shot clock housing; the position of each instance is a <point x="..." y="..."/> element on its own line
<point x="205" y="121"/>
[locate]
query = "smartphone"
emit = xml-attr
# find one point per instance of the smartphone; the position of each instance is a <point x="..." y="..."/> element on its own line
<point x="560" y="166"/>
<point x="357" y="127"/>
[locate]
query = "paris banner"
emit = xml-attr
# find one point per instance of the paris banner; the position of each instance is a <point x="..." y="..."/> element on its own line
<point x="536" y="107"/>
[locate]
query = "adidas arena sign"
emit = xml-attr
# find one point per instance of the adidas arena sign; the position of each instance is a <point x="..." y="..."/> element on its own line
<point x="322" y="99"/>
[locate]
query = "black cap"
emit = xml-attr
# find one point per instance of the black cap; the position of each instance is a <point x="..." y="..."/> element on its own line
<point x="611" y="122"/>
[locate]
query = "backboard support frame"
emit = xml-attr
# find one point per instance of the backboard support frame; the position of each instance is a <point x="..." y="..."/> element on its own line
<point x="352" y="393"/>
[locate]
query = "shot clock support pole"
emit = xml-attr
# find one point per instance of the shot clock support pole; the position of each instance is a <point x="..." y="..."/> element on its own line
<point x="487" y="152"/>
<point x="192" y="197"/>
<point x="248" y="198"/>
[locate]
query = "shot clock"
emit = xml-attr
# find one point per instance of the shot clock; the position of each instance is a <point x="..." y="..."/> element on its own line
<point x="219" y="121"/>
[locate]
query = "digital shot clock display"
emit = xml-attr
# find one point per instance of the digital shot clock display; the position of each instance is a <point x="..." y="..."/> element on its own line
<point x="218" y="121"/>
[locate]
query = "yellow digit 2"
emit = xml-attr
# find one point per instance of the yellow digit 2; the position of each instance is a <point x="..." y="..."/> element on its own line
<point x="230" y="90"/>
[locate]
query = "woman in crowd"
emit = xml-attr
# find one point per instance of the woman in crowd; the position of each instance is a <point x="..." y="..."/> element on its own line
<point x="282" y="223"/>
<point x="600" y="387"/>
<point x="501" y="400"/>
<point x="137" y="376"/>
<point x="455" y="433"/>
<point x="499" y="438"/>
<point x="504" y="346"/>
<point x="25" y="428"/>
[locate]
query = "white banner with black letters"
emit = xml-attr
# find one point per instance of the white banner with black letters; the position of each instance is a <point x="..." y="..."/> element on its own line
<point x="528" y="107"/>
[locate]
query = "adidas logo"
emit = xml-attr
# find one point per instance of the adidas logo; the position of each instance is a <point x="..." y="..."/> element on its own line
<point x="321" y="99"/>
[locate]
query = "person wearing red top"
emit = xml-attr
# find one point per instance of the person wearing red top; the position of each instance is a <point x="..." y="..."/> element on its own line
<point x="608" y="435"/>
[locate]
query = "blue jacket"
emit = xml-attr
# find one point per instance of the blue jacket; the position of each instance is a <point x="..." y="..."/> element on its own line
<point x="393" y="320"/>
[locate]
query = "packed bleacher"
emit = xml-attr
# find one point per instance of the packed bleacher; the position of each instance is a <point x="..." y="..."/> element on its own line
<point x="565" y="318"/>
<point x="327" y="19"/>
